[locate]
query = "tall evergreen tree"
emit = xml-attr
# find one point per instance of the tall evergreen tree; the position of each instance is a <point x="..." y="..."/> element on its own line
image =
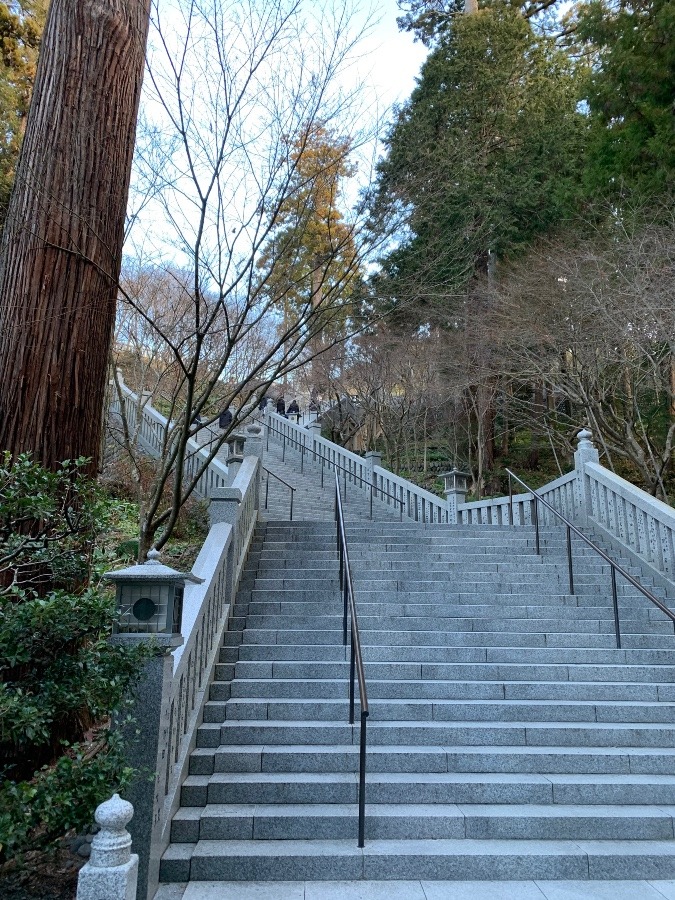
<point x="61" y="246"/>
<point x="482" y="159"/>
<point x="630" y="91"/>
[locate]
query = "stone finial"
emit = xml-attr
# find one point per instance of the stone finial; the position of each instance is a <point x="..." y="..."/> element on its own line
<point x="152" y="557"/>
<point x="112" y="845"/>
<point x="584" y="438"/>
<point x="112" y="870"/>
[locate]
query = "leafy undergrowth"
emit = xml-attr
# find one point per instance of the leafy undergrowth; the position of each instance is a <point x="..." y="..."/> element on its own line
<point x="60" y="678"/>
<point x="181" y="550"/>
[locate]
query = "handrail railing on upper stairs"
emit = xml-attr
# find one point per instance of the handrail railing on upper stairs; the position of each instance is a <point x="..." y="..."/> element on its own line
<point x="615" y="567"/>
<point x="409" y="499"/>
<point x="297" y="444"/>
<point x="356" y="657"/>
<point x="285" y="483"/>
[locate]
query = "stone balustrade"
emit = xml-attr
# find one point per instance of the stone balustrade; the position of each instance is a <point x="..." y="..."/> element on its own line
<point x="173" y="688"/>
<point x="146" y="428"/>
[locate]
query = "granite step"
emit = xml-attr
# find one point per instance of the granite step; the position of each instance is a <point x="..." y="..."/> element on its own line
<point x="412" y="859"/>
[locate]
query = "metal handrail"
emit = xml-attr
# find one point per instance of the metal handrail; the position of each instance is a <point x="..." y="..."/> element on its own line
<point x="356" y="657"/>
<point x="303" y="449"/>
<point x="615" y="567"/>
<point x="278" y="478"/>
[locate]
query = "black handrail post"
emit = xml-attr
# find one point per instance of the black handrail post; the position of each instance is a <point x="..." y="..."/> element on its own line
<point x="292" y="496"/>
<point x="352" y="667"/>
<point x="536" y="526"/>
<point x="283" y="452"/>
<point x="371" y="501"/>
<point x="302" y="459"/>
<point x="362" y="780"/>
<point x="345" y="597"/>
<point x="356" y="656"/>
<point x="344" y="473"/>
<point x="569" y="559"/>
<point x="510" y="500"/>
<point x="267" y="487"/>
<point x="615" y="604"/>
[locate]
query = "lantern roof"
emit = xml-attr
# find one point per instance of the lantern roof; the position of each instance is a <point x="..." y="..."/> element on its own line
<point x="152" y="570"/>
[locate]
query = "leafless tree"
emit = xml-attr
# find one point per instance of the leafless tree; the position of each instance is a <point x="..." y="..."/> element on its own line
<point x="590" y="327"/>
<point x="234" y="89"/>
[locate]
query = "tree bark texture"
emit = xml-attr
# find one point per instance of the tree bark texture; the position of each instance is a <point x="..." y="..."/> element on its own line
<point x="62" y="245"/>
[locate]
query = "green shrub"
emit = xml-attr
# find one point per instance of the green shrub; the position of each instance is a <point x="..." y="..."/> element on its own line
<point x="60" y="679"/>
<point x="128" y="549"/>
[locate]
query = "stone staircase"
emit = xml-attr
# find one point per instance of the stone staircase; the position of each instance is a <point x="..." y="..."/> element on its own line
<point x="314" y="495"/>
<point x="508" y="739"/>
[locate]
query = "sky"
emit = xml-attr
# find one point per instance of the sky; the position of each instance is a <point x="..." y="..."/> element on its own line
<point x="391" y="58"/>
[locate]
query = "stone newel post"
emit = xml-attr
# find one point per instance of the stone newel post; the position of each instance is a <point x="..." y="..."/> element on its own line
<point x="585" y="453"/>
<point x="314" y="429"/>
<point x="112" y="870"/>
<point x="374" y="458"/>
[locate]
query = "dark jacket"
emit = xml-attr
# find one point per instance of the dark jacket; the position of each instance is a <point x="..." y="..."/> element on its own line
<point x="294" y="408"/>
<point x="225" y="418"/>
<point x="281" y="406"/>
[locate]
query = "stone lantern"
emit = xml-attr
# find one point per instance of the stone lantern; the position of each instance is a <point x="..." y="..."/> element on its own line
<point x="150" y="597"/>
<point x="455" y="486"/>
<point x="235" y="453"/>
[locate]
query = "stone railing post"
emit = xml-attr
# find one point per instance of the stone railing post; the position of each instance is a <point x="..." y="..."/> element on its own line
<point x="224" y="507"/>
<point x="374" y="458"/>
<point x="253" y="446"/>
<point x="112" y="869"/>
<point x="586" y="452"/>
<point x="314" y="429"/>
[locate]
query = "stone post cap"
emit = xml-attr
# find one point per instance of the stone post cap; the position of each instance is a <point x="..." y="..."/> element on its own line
<point x="231" y="494"/>
<point x="584" y="438"/>
<point x="112" y="845"/>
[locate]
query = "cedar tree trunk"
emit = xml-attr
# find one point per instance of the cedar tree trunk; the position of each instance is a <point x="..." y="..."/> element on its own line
<point x="61" y="250"/>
